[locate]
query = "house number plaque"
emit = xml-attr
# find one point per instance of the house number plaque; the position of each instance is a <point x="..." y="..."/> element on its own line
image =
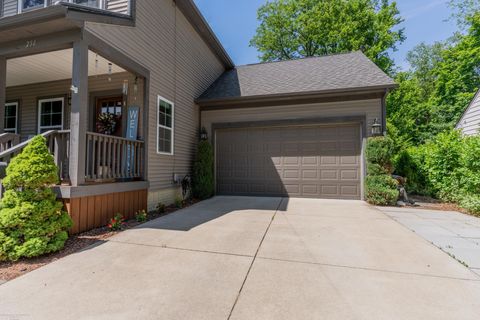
<point x="31" y="43"/>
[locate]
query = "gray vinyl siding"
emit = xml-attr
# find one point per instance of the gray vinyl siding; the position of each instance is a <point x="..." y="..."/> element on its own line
<point x="470" y="122"/>
<point x="120" y="6"/>
<point x="371" y="109"/>
<point x="182" y="66"/>
<point x="10" y="7"/>
<point x="28" y="97"/>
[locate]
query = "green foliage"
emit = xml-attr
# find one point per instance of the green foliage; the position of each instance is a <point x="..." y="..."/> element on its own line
<point x="442" y="80"/>
<point x="203" y="172"/>
<point x="32" y="221"/>
<point x="179" y="202"/>
<point x="410" y="164"/>
<point x="116" y="223"/>
<point x="471" y="203"/>
<point x="161" y="208"/>
<point x="304" y="28"/>
<point x="141" y="216"/>
<point x="380" y="151"/>
<point x="381" y="190"/>
<point x="380" y="187"/>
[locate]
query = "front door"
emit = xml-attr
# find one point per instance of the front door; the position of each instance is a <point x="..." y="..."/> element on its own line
<point x="114" y="107"/>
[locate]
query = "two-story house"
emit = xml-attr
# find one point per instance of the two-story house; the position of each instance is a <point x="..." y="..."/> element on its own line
<point x="121" y="88"/>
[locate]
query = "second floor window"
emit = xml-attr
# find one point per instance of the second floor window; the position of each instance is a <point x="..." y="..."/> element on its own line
<point x="32" y="4"/>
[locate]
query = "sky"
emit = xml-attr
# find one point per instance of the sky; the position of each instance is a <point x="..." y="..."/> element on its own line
<point x="235" y="22"/>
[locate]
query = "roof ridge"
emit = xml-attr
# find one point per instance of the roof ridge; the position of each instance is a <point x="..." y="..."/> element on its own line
<point x="298" y="59"/>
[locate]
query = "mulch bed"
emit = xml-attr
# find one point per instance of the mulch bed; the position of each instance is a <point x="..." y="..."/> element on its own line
<point x="76" y="243"/>
<point x="428" y="203"/>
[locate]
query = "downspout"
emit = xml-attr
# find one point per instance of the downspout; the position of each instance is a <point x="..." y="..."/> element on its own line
<point x="384" y="112"/>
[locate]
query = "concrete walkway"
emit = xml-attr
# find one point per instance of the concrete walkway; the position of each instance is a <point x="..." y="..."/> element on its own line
<point x="453" y="232"/>
<point x="253" y="258"/>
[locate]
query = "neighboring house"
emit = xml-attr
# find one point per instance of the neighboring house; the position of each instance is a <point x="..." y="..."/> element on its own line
<point x="295" y="128"/>
<point x="470" y="121"/>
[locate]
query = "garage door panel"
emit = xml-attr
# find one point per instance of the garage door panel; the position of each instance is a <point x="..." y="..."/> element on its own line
<point x="298" y="161"/>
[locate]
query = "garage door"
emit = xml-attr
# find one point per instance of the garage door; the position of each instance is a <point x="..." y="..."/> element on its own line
<point x="298" y="161"/>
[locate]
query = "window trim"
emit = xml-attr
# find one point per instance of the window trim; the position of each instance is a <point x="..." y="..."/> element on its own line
<point x="40" y="101"/>
<point x="16" y="104"/>
<point x="172" y="129"/>
<point x="21" y="9"/>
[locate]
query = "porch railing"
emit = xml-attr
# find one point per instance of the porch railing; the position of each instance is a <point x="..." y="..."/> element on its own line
<point x="8" y="140"/>
<point x="58" y="143"/>
<point x="113" y="158"/>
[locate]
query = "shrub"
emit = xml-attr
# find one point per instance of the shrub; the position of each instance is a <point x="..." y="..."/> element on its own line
<point x="141" y="216"/>
<point x="116" y="223"/>
<point x="203" y="173"/>
<point x="381" y="190"/>
<point x="179" y="202"/>
<point x="380" y="150"/>
<point x="410" y="164"/>
<point x="380" y="187"/>
<point x="161" y="208"/>
<point x="32" y="221"/>
<point x="471" y="203"/>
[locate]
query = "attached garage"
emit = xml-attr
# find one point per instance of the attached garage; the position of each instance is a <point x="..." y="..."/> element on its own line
<point x="319" y="161"/>
<point x="295" y="128"/>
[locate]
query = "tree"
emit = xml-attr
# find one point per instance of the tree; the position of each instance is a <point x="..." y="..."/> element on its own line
<point x="32" y="221"/>
<point x="292" y="29"/>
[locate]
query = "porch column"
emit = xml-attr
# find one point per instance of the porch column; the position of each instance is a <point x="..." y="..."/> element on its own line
<point x="3" y="94"/>
<point x="78" y="115"/>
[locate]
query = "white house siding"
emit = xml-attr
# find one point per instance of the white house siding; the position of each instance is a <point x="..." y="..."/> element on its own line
<point x="470" y="121"/>
<point x="182" y="66"/>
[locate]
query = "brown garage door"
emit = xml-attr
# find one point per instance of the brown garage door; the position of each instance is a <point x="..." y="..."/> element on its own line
<point x="298" y="161"/>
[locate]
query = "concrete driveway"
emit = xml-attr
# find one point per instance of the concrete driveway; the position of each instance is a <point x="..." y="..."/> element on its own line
<point x="253" y="258"/>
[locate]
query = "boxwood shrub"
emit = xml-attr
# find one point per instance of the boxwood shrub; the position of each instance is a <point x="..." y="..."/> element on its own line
<point x="203" y="172"/>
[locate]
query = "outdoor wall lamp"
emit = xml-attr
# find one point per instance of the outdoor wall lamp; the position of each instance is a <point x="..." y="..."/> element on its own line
<point x="376" y="128"/>
<point x="203" y="134"/>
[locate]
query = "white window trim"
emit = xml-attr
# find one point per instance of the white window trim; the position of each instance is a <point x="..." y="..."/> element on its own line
<point x="39" y="114"/>
<point x="172" y="129"/>
<point x="20" y="6"/>
<point x="8" y="104"/>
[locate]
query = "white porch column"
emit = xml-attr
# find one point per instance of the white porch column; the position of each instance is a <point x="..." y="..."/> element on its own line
<point x="3" y="94"/>
<point x="78" y="116"/>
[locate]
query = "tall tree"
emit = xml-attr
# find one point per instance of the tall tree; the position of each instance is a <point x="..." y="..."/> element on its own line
<point x="303" y="28"/>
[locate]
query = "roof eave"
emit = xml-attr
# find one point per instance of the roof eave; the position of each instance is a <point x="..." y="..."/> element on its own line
<point x="294" y="95"/>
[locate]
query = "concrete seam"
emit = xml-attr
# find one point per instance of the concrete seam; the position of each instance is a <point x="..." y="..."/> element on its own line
<point x="253" y="260"/>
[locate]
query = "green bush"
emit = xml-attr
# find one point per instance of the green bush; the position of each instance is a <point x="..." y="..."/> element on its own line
<point x="410" y="164"/>
<point x="380" y="187"/>
<point x="380" y="150"/>
<point x="203" y="172"/>
<point x="381" y="190"/>
<point x="32" y="221"/>
<point x="471" y="203"/>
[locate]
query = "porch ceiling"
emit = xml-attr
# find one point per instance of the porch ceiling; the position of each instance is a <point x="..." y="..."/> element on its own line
<point x="51" y="66"/>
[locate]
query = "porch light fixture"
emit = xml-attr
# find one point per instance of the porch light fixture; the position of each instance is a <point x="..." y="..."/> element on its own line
<point x="376" y="128"/>
<point x="203" y="134"/>
<point x="74" y="89"/>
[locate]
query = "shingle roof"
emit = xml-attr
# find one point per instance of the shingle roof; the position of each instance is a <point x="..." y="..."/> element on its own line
<point x="338" y="72"/>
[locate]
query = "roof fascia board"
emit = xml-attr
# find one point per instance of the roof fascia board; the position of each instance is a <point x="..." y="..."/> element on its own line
<point x="295" y="95"/>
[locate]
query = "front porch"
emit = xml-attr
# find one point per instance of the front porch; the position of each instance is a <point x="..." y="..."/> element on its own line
<point x="101" y="143"/>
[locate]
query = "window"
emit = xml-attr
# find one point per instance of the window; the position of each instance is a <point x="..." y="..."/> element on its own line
<point x="11" y="112"/>
<point x="165" y="126"/>
<point x="50" y="114"/>
<point x="32" y="4"/>
<point x="89" y="3"/>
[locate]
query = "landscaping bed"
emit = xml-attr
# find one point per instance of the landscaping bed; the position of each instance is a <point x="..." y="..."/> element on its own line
<point x="12" y="270"/>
